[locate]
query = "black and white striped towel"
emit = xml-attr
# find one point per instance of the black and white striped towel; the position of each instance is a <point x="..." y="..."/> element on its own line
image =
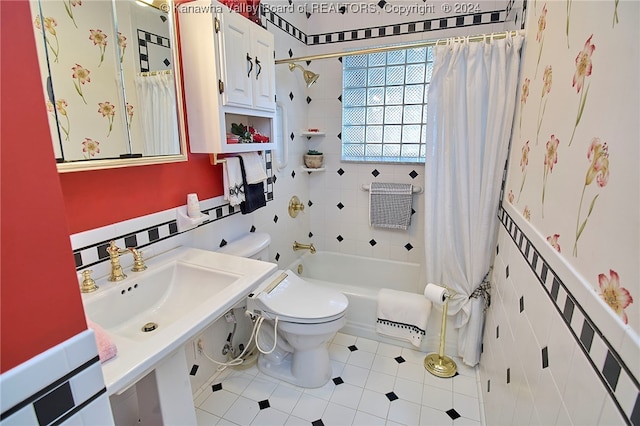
<point x="390" y="205"/>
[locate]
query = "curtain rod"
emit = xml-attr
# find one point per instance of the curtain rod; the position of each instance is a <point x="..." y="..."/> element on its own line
<point x="495" y="36"/>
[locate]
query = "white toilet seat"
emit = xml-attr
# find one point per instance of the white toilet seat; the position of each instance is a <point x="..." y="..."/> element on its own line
<point x="294" y="300"/>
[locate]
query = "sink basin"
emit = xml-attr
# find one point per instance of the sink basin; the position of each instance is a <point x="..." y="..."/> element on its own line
<point x="152" y="313"/>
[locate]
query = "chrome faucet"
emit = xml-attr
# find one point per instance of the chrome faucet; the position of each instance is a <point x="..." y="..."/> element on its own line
<point x="298" y="246"/>
<point x="114" y="256"/>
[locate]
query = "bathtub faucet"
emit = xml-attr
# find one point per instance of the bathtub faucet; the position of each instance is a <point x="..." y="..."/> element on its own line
<point x="298" y="246"/>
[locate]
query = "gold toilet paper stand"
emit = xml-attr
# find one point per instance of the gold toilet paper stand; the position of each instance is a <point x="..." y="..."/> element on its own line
<point x="439" y="364"/>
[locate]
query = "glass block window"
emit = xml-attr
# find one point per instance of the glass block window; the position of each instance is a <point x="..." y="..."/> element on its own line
<point x="384" y="105"/>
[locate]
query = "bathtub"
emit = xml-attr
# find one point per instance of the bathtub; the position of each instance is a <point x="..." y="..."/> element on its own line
<point x="360" y="278"/>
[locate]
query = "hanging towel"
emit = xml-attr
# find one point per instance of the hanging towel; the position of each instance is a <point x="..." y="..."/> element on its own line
<point x="232" y="181"/>
<point x="254" y="167"/>
<point x="106" y="348"/>
<point x="402" y="315"/>
<point x="253" y="193"/>
<point x="390" y="205"/>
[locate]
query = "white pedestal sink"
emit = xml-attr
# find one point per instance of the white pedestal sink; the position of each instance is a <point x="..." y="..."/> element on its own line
<point x="182" y="292"/>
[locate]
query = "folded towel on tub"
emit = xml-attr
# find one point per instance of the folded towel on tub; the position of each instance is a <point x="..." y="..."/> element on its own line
<point x="402" y="315"/>
<point x="390" y="205"/>
<point x="106" y="348"/>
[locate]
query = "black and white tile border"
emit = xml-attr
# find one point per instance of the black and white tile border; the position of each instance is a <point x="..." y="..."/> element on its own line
<point x="96" y="253"/>
<point x="145" y="38"/>
<point x="614" y="374"/>
<point x="425" y="25"/>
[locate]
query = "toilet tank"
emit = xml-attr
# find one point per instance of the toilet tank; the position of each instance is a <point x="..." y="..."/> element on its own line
<point x="254" y="245"/>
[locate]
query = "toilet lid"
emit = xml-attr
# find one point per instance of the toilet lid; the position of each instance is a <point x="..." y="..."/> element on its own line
<point x="295" y="298"/>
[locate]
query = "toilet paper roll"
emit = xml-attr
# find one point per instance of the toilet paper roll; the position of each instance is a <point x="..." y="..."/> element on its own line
<point x="435" y="293"/>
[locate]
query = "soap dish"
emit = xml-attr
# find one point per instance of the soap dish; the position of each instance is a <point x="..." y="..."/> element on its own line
<point x="185" y="222"/>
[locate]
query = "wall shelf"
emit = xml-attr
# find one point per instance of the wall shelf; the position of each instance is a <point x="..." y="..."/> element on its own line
<point x="308" y="169"/>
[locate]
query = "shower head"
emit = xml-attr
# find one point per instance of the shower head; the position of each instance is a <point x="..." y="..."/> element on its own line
<point x="309" y="76"/>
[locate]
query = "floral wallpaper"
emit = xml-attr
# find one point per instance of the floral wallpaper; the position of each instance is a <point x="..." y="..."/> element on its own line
<point x="573" y="172"/>
<point x="90" y="117"/>
<point x="85" y="112"/>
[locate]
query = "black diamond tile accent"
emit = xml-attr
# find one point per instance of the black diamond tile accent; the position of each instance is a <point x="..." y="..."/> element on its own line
<point x="372" y="242"/>
<point x="163" y="18"/>
<point x="317" y="423"/>
<point x="167" y="62"/>
<point x="223" y="243"/>
<point x="545" y="357"/>
<point x="507" y="271"/>
<point x="194" y="370"/>
<point x="54" y="404"/>
<point x="292" y="136"/>
<point x="508" y="375"/>
<point x="275" y="219"/>
<point x="352" y="348"/>
<point x="154" y="234"/>
<point x="399" y="359"/>
<point x="216" y="387"/>
<point x="521" y="304"/>
<point x="497" y="332"/>
<point x="413" y="174"/>
<point x="253" y="229"/>
<point x="340" y="206"/>
<point x="340" y="98"/>
<point x="291" y="95"/>
<point x="568" y="309"/>
<point x="309" y="203"/>
<point x="611" y="370"/>
<point x="293" y="174"/>
<point x="497" y="249"/>
<point x="413" y="212"/>
<point x="340" y="59"/>
<point x="342" y="10"/>
<point x="340" y="171"/>
<point x="308" y="15"/>
<point x="381" y="4"/>
<point x="264" y="404"/>
<point x="586" y="335"/>
<point x="338" y="381"/>
<point x="339" y="238"/>
<point x="408" y="246"/>
<point x="391" y="396"/>
<point x="310" y="234"/>
<point x="488" y="386"/>
<point x="340" y="135"/>
<point x="275" y="178"/>
<point x="453" y="414"/>
<point x="375" y="173"/>
<point x="290" y="53"/>
<point x="277" y="256"/>
<point x="308" y="100"/>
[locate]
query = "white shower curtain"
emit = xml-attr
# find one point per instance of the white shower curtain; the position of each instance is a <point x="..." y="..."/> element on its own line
<point x="158" y="114"/>
<point x="471" y="105"/>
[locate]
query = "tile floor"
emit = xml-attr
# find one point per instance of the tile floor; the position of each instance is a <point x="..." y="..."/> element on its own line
<point x="373" y="384"/>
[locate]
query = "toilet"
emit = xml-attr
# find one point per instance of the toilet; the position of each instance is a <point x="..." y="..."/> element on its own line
<point x="308" y="316"/>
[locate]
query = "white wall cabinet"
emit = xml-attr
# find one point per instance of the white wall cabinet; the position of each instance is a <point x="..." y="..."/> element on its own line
<point x="229" y="76"/>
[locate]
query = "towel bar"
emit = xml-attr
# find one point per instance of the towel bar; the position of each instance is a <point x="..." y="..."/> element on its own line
<point x="416" y="189"/>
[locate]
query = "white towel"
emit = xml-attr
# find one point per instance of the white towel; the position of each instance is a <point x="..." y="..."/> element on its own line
<point x="390" y="205"/>
<point x="232" y="181"/>
<point x="253" y="167"/>
<point x="402" y="315"/>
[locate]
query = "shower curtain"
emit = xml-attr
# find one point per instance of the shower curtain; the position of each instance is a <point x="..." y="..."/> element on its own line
<point x="471" y="106"/>
<point x="158" y="114"/>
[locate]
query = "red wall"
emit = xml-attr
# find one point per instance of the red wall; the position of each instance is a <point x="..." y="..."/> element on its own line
<point x="40" y="304"/>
